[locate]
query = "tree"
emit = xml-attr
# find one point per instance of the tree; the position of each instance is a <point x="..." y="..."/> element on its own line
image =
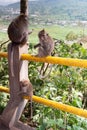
<point x="71" y="36"/>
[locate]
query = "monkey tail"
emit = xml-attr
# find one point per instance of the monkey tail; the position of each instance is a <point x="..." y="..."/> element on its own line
<point x="45" y="76"/>
<point x="3" y="44"/>
<point x="12" y="55"/>
<point x="31" y="109"/>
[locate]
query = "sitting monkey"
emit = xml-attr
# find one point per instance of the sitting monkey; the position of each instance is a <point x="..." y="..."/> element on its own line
<point x="45" y="48"/>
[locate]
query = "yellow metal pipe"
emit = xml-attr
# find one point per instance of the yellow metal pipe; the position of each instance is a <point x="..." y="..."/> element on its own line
<point x="4" y="89"/>
<point x="57" y="60"/>
<point x="3" y="54"/>
<point x="61" y="106"/>
<point x="54" y="104"/>
<point x="53" y="60"/>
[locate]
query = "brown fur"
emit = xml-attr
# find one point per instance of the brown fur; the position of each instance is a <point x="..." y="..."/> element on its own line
<point x="46" y="44"/>
<point x="18" y="33"/>
<point x="28" y="91"/>
<point x="45" y="48"/>
<point x="18" y="30"/>
<point x="29" y="87"/>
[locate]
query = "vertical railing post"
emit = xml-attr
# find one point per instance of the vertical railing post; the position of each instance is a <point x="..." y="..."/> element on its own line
<point x="9" y="119"/>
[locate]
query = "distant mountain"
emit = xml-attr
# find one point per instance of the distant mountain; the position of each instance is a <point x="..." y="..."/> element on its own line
<point x="59" y="9"/>
<point x="63" y="9"/>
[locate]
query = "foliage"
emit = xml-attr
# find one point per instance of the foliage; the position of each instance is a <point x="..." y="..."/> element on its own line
<point x="71" y="36"/>
<point x="3" y="70"/>
<point x="3" y="101"/>
<point x="66" y="84"/>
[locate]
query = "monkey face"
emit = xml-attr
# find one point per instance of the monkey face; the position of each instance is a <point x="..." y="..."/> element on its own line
<point x="26" y="88"/>
<point x="43" y="35"/>
<point x="24" y="83"/>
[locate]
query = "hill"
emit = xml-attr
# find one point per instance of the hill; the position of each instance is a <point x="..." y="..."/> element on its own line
<point x="63" y="9"/>
<point x="58" y="9"/>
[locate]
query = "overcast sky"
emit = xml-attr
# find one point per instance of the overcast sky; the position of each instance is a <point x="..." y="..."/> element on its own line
<point x="4" y="2"/>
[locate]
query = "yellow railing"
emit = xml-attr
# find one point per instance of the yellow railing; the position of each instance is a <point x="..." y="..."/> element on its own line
<point x="52" y="60"/>
<point x="54" y="104"/>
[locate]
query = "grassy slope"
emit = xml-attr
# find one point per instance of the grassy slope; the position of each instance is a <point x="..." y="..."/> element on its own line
<point x="55" y="31"/>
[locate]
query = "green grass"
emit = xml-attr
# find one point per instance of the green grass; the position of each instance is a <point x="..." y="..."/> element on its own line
<point x="55" y="31"/>
<point x="3" y="37"/>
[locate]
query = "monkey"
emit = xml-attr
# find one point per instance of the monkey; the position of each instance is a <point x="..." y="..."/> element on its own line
<point x="18" y="33"/>
<point x="18" y="30"/>
<point x="45" y="48"/>
<point x="9" y="40"/>
<point x="84" y="100"/>
<point x="26" y="89"/>
<point x="45" y="45"/>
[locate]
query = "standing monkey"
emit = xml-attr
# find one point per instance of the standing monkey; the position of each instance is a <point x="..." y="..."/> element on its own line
<point x="26" y="89"/>
<point x="45" y="48"/>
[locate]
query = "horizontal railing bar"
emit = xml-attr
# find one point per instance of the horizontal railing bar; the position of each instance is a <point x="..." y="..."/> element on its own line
<point x="54" y="104"/>
<point x="53" y="60"/>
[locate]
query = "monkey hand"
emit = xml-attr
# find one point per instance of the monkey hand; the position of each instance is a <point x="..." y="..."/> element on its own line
<point x="37" y="45"/>
<point x="30" y="31"/>
<point x="22" y="94"/>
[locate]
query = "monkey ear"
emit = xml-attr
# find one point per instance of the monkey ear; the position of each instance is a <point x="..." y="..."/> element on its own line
<point x="43" y="30"/>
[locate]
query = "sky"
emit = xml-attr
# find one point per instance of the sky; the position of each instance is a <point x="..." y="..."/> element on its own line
<point x="4" y="2"/>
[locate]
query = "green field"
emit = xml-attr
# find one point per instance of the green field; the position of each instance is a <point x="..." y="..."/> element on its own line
<point x="55" y="31"/>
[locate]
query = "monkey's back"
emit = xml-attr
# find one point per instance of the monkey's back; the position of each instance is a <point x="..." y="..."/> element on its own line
<point x="47" y="46"/>
<point x="18" y="30"/>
